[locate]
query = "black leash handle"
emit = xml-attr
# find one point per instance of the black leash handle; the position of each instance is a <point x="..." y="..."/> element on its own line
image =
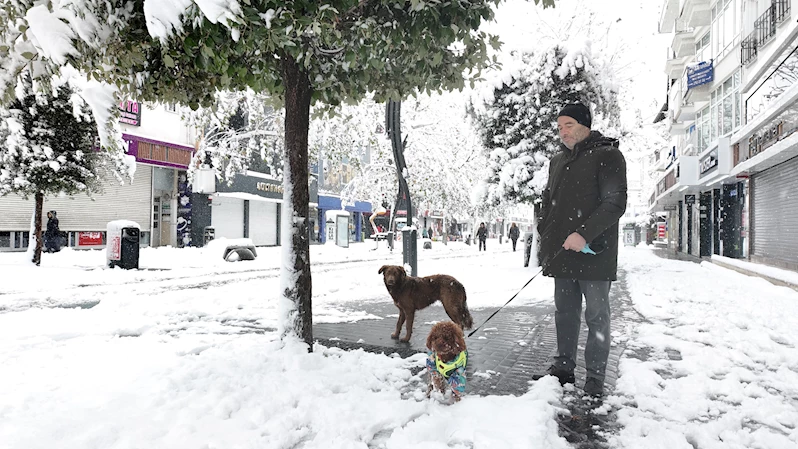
<point x="519" y="291"/>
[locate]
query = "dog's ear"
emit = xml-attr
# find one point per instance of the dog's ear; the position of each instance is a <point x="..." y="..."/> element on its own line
<point x="382" y="268"/>
<point x="432" y="338"/>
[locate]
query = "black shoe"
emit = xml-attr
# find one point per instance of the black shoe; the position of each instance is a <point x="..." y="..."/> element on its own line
<point x="594" y="387"/>
<point x="564" y="376"/>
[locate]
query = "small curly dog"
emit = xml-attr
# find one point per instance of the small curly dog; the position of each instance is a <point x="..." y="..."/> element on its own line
<point x="446" y="359"/>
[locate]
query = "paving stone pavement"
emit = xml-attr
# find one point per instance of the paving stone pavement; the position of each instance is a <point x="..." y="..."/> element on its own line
<point x="503" y="354"/>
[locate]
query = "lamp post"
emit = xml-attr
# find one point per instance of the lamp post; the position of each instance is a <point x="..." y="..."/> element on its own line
<point x="392" y="127"/>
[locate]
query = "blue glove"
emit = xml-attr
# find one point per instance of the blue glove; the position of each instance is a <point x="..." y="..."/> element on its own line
<point x="587" y="250"/>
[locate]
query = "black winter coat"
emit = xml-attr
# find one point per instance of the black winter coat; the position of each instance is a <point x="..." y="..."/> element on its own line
<point x="514" y="232"/>
<point x="482" y="233"/>
<point x="586" y="193"/>
<point x="52" y="227"/>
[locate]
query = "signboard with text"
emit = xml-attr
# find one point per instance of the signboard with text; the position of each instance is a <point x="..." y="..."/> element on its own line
<point x="708" y="162"/>
<point x="701" y="73"/>
<point x="90" y="238"/>
<point x="130" y="113"/>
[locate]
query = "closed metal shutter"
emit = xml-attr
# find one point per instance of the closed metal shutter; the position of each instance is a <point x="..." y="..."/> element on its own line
<point x="129" y="201"/>
<point x="774" y="221"/>
<point x="227" y="217"/>
<point x="263" y="223"/>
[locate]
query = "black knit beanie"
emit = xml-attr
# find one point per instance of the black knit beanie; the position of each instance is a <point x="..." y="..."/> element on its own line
<point x="578" y="112"/>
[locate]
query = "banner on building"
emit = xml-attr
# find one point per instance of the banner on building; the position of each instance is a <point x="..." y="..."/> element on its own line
<point x="701" y="73"/>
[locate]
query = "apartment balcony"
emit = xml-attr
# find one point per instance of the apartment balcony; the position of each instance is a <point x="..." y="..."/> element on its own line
<point x="670" y="12"/>
<point x="680" y="108"/>
<point x="697" y="13"/>
<point x="764" y="30"/>
<point x="683" y="43"/>
<point x="674" y="66"/>
<point x="699" y="94"/>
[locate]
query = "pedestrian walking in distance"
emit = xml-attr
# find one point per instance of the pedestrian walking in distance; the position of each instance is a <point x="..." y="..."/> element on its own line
<point x="513" y="234"/>
<point x="482" y="235"/>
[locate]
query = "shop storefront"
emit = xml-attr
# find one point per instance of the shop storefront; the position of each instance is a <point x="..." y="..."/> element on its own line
<point x="766" y="163"/>
<point x="433" y="219"/>
<point x="156" y="199"/>
<point x="356" y="211"/>
<point x="170" y="196"/>
<point x="249" y="207"/>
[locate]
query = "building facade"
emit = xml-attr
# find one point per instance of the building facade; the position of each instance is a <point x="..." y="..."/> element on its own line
<point x="729" y="179"/>
<point x="158" y="198"/>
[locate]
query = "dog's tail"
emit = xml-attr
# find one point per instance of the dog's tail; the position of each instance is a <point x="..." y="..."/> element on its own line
<point x="465" y="316"/>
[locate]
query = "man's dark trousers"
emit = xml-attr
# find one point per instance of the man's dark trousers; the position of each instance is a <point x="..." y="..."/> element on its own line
<point x="568" y="300"/>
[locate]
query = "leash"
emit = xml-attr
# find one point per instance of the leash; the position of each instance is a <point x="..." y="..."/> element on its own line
<point x="559" y="251"/>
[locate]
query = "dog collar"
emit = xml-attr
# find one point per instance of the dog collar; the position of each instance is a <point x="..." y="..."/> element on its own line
<point x="446" y="369"/>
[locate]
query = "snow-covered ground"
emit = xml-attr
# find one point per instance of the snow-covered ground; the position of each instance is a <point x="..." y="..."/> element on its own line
<point x="722" y="368"/>
<point x="185" y="355"/>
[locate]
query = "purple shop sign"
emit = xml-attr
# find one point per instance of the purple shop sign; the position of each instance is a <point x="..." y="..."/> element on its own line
<point x="155" y="152"/>
<point x="130" y="113"/>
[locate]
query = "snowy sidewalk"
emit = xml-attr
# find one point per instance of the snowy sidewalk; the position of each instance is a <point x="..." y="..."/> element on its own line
<point x="707" y="359"/>
<point x="712" y="365"/>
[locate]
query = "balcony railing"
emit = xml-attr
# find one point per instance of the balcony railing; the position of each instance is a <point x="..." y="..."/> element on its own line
<point x="764" y="29"/>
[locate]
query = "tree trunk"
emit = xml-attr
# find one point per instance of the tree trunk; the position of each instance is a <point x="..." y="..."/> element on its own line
<point x="295" y="276"/>
<point x="37" y="229"/>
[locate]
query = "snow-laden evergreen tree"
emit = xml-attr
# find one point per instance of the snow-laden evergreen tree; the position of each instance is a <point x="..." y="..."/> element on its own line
<point x="517" y="117"/>
<point x="48" y="148"/>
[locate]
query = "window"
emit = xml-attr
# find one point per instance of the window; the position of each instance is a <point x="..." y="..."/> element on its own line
<point x="725" y="28"/>
<point x="703" y="49"/>
<point x="173" y="107"/>
<point x="21" y="240"/>
<point x="722" y="116"/>
<point x="702" y="120"/>
<point x="5" y="240"/>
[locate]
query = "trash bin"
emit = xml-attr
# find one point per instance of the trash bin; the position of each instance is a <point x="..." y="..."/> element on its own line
<point x="122" y="249"/>
<point x="208" y="234"/>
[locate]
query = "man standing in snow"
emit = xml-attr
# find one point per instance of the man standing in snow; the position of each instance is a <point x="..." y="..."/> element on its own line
<point x="583" y="201"/>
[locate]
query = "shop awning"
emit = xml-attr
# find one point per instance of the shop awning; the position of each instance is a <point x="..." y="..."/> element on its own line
<point x="251" y="197"/>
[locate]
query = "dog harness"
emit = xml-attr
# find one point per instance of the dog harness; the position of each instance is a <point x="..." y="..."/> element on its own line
<point x="453" y="372"/>
<point x="446" y="369"/>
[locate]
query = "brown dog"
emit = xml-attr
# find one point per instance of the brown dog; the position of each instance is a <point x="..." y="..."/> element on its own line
<point x="414" y="293"/>
<point x="447" y="359"/>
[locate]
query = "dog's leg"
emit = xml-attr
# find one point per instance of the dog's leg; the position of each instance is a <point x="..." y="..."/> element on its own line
<point x="399" y="322"/>
<point x="409" y="326"/>
<point x="439" y="382"/>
